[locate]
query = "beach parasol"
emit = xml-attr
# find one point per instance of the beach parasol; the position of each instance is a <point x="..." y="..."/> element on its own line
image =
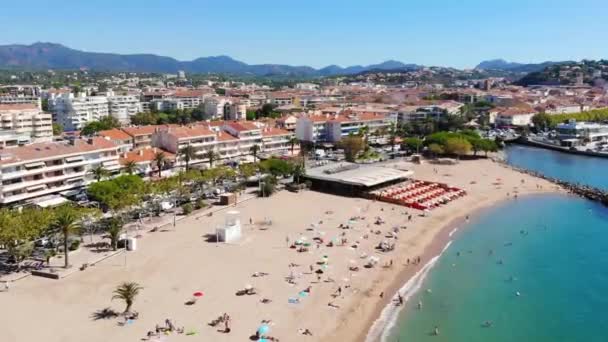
<point x="263" y="329"/>
<point x="197" y="294"/>
<point x="248" y="287"/>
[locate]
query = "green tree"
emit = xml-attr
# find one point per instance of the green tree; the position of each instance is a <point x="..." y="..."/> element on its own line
<point x="352" y="145"/>
<point x="188" y="153"/>
<point x="160" y="159"/>
<point x="248" y="170"/>
<point x="66" y="223"/>
<point x="57" y="129"/>
<point x="457" y="146"/>
<point x="99" y="172"/>
<point x="254" y="151"/>
<point x="130" y="167"/>
<point x="413" y="144"/>
<point x="211" y="156"/>
<point x="542" y="121"/>
<point x="436" y="149"/>
<point x="293" y="141"/>
<point x="114" y="230"/>
<point x="127" y="292"/>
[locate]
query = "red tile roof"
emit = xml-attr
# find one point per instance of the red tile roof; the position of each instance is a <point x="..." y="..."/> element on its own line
<point x="144" y="130"/>
<point x="190" y="131"/>
<point x="273" y="131"/>
<point x="143" y="155"/>
<point x="242" y="126"/>
<point x="115" y="134"/>
<point x="54" y="149"/>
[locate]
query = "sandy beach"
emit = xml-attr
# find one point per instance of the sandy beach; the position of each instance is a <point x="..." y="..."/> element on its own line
<point x="171" y="265"/>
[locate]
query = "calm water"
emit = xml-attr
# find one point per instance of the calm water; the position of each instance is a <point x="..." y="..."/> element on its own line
<point x="570" y="167"/>
<point x="559" y="265"/>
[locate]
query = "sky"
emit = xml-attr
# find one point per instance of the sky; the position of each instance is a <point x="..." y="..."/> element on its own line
<point x="457" y="33"/>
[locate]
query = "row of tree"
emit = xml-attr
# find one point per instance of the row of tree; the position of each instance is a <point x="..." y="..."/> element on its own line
<point x="544" y="121"/>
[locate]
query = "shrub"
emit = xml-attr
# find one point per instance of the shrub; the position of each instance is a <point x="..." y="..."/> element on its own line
<point x="187" y="208"/>
<point x="199" y="204"/>
<point x="74" y="245"/>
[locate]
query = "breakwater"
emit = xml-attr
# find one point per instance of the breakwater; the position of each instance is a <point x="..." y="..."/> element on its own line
<point x="582" y="190"/>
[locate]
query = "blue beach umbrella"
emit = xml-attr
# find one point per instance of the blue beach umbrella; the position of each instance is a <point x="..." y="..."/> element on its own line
<point x="263" y="329"/>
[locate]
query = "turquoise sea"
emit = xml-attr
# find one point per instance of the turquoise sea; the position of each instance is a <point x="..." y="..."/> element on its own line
<point x="536" y="267"/>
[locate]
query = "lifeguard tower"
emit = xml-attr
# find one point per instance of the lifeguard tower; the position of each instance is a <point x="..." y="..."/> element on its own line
<point x="231" y="231"/>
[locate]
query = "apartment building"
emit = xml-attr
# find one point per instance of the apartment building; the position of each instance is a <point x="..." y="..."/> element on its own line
<point x="280" y="98"/>
<point x="120" y="138"/>
<point x="352" y="123"/>
<point x="514" y="116"/>
<point x="21" y="99"/>
<point x="174" y="139"/>
<point x="75" y="112"/>
<point x="312" y="128"/>
<point x="123" y="107"/>
<point x="26" y="119"/>
<point x="248" y="134"/>
<point x="215" y="107"/>
<point x="41" y="169"/>
<point x="276" y="141"/>
<point x="142" y="135"/>
<point x="144" y="159"/>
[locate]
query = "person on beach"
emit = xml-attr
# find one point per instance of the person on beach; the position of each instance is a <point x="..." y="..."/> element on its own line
<point x="381" y="294"/>
<point x="436" y="331"/>
<point x="419" y="305"/>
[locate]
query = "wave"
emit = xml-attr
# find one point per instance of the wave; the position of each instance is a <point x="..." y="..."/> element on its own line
<point x="452" y="232"/>
<point x="388" y="318"/>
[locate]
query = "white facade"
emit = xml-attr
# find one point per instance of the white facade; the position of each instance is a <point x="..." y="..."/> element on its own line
<point x="123" y="107"/>
<point x="75" y="112"/>
<point x="514" y="119"/>
<point x="26" y="119"/>
<point x="41" y="169"/>
<point x="215" y="107"/>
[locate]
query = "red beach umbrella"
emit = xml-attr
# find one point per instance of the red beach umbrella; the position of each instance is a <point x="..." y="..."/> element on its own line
<point x="197" y="294"/>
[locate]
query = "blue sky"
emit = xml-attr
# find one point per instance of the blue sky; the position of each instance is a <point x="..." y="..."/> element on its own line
<point x="456" y="33"/>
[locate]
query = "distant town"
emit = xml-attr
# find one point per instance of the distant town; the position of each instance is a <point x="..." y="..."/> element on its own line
<point x="53" y="135"/>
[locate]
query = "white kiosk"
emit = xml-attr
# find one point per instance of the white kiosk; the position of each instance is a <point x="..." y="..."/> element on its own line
<point x="231" y="231"/>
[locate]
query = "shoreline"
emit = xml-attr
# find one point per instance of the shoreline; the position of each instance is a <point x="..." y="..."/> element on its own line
<point x="442" y="239"/>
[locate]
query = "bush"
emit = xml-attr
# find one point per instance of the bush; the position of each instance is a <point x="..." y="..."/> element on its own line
<point x="187" y="208"/>
<point x="74" y="245"/>
<point x="199" y="204"/>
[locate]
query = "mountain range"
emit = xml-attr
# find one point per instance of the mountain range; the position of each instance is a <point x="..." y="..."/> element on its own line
<point x="502" y="65"/>
<point x="42" y="56"/>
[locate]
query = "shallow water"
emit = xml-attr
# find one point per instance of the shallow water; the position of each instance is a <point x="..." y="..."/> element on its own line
<point x="551" y="249"/>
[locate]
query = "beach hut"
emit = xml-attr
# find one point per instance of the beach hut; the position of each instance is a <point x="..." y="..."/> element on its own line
<point x="231" y="230"/>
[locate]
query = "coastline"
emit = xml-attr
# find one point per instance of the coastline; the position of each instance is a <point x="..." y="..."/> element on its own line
<point x="439" y="243"/>
<point x="164" y="265"/>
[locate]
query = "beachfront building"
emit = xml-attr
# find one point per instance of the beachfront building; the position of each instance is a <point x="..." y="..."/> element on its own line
<point x="435" y="112"/>
<point x="75" y="112"/>
<point x="41" y="169"/>
<point x="352" y="123"/>
<point x="142" y="135"/>
<point x="123" y="107"/>
<point x="248" y="134"/>
<point x="312" y="128"/>
<point x="175" y="139"/>
<point x="276" y="141"/>
<point x="118" y="137"/>
<point x="514" y="116"/>
<point x="215" y="107"/>
<point x="25" y="119"/>
<point x="144" y="160"/>
<point x="582" y="131"/>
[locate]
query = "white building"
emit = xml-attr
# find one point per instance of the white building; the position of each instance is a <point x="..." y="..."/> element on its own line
<point x="215" y="107"/>
<point x="26" y="119"/>
<point x="41" y="169"/>
<point x="75" y="112"/>
<point x="514" y="117"/>
<point x="123" y="107"/>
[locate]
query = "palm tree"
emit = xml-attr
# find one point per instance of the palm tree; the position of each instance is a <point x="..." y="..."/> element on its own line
<point x="130" y="167"/>
<point x="211" y="156"/>
<point x="254" y="151"/>
<point x="292" y="142"/>
<point x="160" y="159"/>
<point x="114" y="230"/>
<point x="99" y="172"/>
<point x="66" y="223"/>
<point x="188" y="153"/>
<point x="392" y="131"/>
<point x="127" y="292"/>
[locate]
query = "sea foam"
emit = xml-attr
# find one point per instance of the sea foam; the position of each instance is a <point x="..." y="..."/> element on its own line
<point x="381" y="328"/>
